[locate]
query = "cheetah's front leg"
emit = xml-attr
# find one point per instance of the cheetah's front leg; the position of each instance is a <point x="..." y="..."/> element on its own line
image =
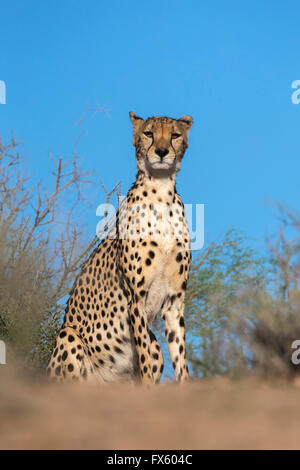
<point x="172" y="312"/>
<point x="142" y="342"/>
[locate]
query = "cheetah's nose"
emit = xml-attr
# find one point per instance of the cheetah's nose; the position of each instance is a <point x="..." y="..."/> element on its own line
<point x="161" y="152"/>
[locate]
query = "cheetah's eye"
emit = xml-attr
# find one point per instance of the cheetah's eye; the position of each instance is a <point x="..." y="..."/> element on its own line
<point x="175" y="136"/>
<point x="148" y="134"/>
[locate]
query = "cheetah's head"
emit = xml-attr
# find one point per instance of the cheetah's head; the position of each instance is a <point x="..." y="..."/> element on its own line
<point x="160" y="143"/>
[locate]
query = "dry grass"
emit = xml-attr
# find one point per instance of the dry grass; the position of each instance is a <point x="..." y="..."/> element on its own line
<point x="205" y="414"/>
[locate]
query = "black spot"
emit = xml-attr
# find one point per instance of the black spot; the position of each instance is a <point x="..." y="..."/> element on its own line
<point x="112" y="359"/>
<point x="71" y="338"/>
<point x="171" y="336"/>
<point x="152" y="336"/>
<point x="70" y="367"/>
<point x="118" y="350"/>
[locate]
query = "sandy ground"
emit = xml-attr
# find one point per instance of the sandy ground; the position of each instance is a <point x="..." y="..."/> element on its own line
<point x="204" y="414"/>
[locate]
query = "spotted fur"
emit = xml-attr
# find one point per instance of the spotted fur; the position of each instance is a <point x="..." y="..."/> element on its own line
<point x="139" y="270"/>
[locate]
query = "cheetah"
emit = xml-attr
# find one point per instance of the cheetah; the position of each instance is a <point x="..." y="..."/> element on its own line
<point x="134" y="274"/>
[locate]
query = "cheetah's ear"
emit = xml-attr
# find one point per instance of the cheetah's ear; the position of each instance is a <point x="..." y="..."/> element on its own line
<point x="136" y="121"/>
<point x="187" y="121"/>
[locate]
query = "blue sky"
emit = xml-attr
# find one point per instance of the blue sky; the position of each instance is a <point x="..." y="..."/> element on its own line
<point x="228" y="64"/>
